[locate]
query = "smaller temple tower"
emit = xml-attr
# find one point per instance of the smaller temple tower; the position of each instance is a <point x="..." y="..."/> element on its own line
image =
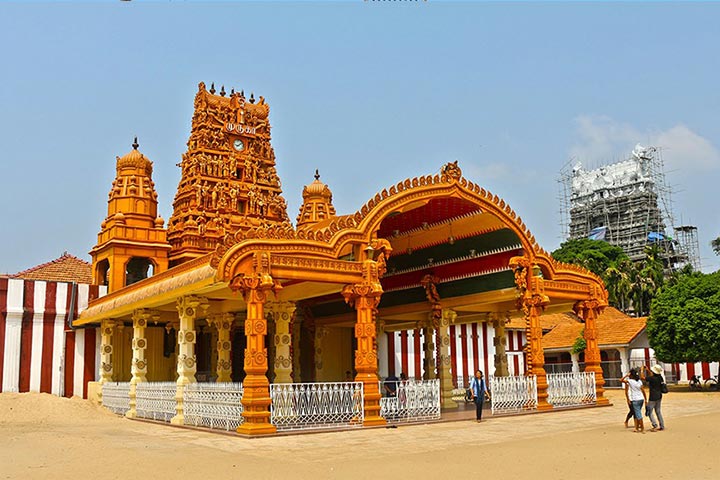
<point x="317" y="203"/>
<point x="132" y="243"/>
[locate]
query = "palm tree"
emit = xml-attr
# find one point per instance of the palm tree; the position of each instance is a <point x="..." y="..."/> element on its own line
<point x="716" y="246"/>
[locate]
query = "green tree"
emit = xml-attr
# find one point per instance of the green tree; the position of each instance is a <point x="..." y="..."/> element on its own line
<point x="595" y="255"/>
<point x="684" y="324"/>
<point x="716" y="246"/>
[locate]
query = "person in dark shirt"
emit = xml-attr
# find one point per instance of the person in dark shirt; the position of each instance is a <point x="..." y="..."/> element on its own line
<point x="655" y="381"/>
<point x="390" y="385"/>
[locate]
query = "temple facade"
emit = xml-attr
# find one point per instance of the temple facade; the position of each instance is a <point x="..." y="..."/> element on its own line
<point x="237" y="293"/>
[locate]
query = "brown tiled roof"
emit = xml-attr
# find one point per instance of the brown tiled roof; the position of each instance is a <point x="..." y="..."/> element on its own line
<point x="547" y="322"/>
<point x="67" y="268"/>
<point x="614" y="328"/>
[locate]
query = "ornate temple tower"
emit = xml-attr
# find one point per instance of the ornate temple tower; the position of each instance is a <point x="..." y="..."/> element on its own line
<point x="317" y="203"/>
<point x="228" y="182"/>
<point x="132" y="243"/>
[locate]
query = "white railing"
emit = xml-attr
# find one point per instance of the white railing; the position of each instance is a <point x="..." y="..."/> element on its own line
<point x="156" y="400"/>
<point x="571" y="389"/>
<point x="415" y="401"/>
<point x="213" y="405"/>
<point x="116" y="397"/>
<point x="302" y="406"/>
<point x="513" y="394"/>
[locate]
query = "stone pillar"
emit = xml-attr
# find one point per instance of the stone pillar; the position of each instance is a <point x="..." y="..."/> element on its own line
<point x="189" y="308"/>
<point x="107" y="327"/>
<point x="256" y="395"/>
<point x="445" y="362"/>
<point x="429" y="350"/>
<point x="223" y="323"/>
<point x="364" y="297"/>
<point x="575" y="359"/>
<point x="500" y="341"/>
<point x="589" y="310"/>
<point x="138" y="367"/>
<point x="295" y="328"/>
<point x="533" y="306"/>
<point x="282" y="314"/>
<point x="624" y="360"/>
<point x="320" y="333"/>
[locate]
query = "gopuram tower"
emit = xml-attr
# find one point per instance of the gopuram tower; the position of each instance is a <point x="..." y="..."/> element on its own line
<point x="229" y="182"/>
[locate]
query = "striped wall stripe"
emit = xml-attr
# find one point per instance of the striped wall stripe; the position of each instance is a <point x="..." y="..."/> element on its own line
<point x="38" y="350"/>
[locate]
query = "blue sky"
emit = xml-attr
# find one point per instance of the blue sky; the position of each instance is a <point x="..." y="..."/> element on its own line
<point x="370" y="93"/>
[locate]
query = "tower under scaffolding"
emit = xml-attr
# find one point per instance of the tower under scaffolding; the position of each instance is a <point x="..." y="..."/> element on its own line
<point x="627" y="204"/>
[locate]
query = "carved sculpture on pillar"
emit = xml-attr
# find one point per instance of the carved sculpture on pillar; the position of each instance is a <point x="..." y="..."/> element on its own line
<point x="140" y="318"/>
<point x="532" y="301"/>
<point x="256" y="387"/>
<point x="223" y="323"/>
<point x="364" y="297"/>
<point x="282" y="314"/>
<point x="189" y="308"/>
<point x="589" y="310"/>
<point x="107" y="327"/>
<point x="499" y="341"/>
<point x="445" y="363"/>
<point x="429" y="283"/>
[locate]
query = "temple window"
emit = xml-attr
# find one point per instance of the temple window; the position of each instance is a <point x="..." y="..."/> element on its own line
<point x="138" y="268"/>
<point x="103" y="272"/>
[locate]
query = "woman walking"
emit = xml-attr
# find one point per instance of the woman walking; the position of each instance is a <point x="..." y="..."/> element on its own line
<point x="655" y="384"/>
<point x="479" y="390"/>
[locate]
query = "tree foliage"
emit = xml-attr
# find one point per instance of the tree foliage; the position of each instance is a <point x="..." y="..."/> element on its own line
<point x="716" y="246"/>
<point x="595" y="255"/>
<point x="684" y="325"/>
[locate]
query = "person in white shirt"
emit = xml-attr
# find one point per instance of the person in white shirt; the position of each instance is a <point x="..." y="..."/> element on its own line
<point x="635" y="394"/>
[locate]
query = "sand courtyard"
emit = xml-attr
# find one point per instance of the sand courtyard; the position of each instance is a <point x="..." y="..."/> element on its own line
<point x="42" y="436"/>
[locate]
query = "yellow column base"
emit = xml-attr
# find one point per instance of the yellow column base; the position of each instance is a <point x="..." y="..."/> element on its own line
<point x="256" y="429"/>
<point x="544" y="406"/>
<point x="374" y="421"/>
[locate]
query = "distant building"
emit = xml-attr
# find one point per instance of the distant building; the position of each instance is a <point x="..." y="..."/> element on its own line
<point x="627" y="204"/>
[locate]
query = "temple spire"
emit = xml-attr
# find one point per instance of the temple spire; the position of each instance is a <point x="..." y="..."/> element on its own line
<point x="135" y="144"/>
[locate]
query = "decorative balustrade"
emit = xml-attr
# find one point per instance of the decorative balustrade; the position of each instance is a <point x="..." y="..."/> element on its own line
<point x="571" y="389"/>
<point x="116" y="397"/>
<point x="300" y="406"/>
<point x="214" y="405"/>
<point x="156" y="400"/>
<point x="415" y="401"/>
<point x="513" y="394"/>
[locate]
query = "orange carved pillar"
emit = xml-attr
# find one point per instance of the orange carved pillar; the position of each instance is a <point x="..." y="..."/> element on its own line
<point x="533" y="306"/>
<point x="256" y="387"/>
<point x="364" y="297"/>
<point x="589" y="310"/>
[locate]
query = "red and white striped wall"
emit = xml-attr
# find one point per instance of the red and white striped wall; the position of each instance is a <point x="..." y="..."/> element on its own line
<point x="471" y="349"/>
<point x="39" y="352"/>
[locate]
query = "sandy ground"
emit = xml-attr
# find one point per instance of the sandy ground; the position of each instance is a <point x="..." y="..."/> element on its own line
<point x="42" y="436"/>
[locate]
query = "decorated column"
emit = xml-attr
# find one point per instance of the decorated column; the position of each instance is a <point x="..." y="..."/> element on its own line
<point x="445" y="362"/>
<point x="499" y="341"/>
<point x="256" y="387"/>
<point x="282" y="314"/>
<point x="295" y="328"/>
<point x="189" y="308"/>
<point x="107" y="327"/>
<point x="532" y="300"/>
<point x="364" y="297"/>
<point x="320" y="333"/>
<point x="429" y="283"/>
<point x="589" y="310"/>
<point x="138" y="367"/>
<point x="223" y="323"/>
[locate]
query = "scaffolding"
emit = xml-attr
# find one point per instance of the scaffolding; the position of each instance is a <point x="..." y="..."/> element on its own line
<point x="627" y="204"/>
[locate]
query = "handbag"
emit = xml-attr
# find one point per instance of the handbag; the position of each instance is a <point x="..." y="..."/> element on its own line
<point x="663" y="387"/>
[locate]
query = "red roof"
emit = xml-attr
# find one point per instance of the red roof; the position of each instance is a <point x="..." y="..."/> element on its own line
<point x="67" y="268"/>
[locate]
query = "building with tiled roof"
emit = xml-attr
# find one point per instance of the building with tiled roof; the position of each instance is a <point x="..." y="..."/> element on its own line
<point x="66" y="268"/>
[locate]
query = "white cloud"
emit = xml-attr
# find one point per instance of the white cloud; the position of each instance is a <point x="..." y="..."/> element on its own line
<point x="603" y="140"/>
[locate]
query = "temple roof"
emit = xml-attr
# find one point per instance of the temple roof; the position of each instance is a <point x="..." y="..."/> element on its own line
<point x="66" y="268"/>
<point x="613" y="328"/>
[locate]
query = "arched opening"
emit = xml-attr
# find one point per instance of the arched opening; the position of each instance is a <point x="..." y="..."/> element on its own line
<point x="102" y="272"/>
<point x="138" y="268"/>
